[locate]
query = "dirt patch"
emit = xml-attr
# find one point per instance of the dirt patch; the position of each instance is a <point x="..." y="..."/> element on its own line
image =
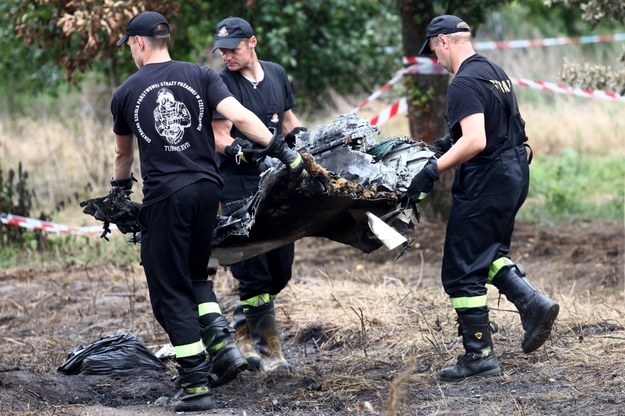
<point x="366" y="333"/>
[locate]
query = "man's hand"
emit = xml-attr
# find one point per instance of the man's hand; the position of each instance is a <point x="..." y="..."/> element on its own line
<point x="242" y="150"/>
<point x="423" y="182"/>
<point x="292" y="159"/>
<point x="291" y="136"/>
<point x="442" y="145"/>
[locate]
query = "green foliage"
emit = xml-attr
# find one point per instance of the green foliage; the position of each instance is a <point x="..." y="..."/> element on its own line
<point x="473" y="12"/>
<point x="547" y="19"/>
<point x="15" y="198"/>
<point x="63" y="250"/>
<point x="343" y="45"/>
<point x="575" y="186"/>
<point x="25" y="68"/>
<point x="20" y="246"/>
<point x="419" y="100"/>
<point x="596" y="11"/>
<point x="347" y="46"/>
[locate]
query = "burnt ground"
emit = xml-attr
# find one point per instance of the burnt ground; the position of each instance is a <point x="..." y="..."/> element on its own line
<point x="366" y="333"/>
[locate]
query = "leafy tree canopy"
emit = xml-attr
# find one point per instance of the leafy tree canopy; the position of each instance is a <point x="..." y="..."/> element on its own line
<point x="338" y="44"/>
<point x="342" y="45"/>
<point x="588" y="75"/>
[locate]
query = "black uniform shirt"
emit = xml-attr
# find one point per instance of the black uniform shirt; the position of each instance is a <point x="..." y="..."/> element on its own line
<point x="269" y="100"/>
<point x="168" y="107"/>
<point x="480" y="86"/>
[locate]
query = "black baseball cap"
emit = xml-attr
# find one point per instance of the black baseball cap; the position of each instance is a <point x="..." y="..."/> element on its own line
<point x="144" y="24"/>
<point x="442" y="25"/>
<point x="230" y="31"/>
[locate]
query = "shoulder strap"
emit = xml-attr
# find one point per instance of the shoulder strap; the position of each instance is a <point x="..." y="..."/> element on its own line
<point x="516" y="125"/>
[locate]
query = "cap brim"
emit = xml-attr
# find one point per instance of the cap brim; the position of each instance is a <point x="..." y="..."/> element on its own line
<point x="425" y="48"/>
<point x="122" y="40"/>
<point x="229" y="43"/>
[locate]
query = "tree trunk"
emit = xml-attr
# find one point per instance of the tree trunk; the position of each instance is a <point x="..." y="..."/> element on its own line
<point x="426" y="95"/>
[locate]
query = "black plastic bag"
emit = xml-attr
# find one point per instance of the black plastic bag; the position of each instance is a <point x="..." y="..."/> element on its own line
<point x="120" y="355"/>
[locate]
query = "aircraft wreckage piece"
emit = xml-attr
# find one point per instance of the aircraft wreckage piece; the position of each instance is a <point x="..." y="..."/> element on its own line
<point x="350" y="180"/>
<point x="348" y="174"/>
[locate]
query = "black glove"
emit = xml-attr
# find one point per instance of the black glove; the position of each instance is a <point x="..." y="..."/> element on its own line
<point x="442" y="145"/>
<point x="115" y="208"/>
<point x="423" y="182"/>
<point x="291" y="136"/>
<point x="242" y="150"/>
<point x="292" y="159"/>
<point x="125" y="184"/>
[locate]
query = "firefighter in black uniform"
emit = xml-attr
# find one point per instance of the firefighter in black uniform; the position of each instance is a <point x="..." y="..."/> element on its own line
<point x="264" y="88"/>
<point x="167" y="105"/>
<point x="486" y="145"/>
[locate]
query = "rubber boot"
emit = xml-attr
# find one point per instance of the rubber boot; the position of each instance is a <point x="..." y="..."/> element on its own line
<point x="479" y="359"/>
<point x="264" y="327"/>
<point x="195" y="393"/>
<point x="226" y="359"/>
<point x="243" y="339"/>
<point x="538" y="312"/>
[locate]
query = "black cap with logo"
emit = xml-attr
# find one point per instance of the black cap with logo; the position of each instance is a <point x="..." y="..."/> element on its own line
<point x="231" y="31"/>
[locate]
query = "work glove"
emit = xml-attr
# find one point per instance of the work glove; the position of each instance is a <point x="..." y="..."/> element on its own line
<point x="125" y="184"/>
<point x="423" y="182"/>
<point x="442" y="145"/>
<point x="242" y="150"/>
<point x="267" y="163"/>
<point x="292" y="159"/>
<point x="291" y="136"/>
<point x="115" y="208"/>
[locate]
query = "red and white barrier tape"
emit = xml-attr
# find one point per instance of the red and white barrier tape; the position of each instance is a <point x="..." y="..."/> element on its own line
<point x="529" y="43"/>
<point x="396" y="108"/>
<point x="398" y="75"/>
<point x="33" y="224"/>
<point x="421" y="60"/>
<point x="421" y="66"/>
<point x="565" y="89"/>
<point x="401" y="105"/>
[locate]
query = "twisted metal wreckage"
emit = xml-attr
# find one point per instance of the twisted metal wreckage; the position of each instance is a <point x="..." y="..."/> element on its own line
<point x="350" y="192"/>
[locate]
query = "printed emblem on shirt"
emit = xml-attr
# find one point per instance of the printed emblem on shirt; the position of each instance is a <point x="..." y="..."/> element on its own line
<point x="171" y="117"/>
<point x="275" y="118"/>
<point x="168" y="104"/>
<point x="503" y="86"/>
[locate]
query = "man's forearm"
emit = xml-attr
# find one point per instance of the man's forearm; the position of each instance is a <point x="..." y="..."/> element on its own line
<point x="124" y="157"/>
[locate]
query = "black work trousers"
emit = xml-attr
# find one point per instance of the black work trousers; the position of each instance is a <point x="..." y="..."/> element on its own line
<point x="266" y="273"/>
<point x="487" y="195"/>
<point x="175" y="248"/>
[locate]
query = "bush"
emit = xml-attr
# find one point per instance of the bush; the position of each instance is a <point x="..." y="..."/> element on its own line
<point x="15" y="198"/>
<point x="575" y="186"/>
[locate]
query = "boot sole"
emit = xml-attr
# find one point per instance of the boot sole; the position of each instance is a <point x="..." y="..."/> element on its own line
<point x="193" y="408"/>
<point x="282" y="370"/>
<point x="190" y="404"/>
<point x="198" y="407"/>
<point x="490" y="373"/>
<point x="543" y="331"/>
<point x="237" y="366"/>
<point x="254" y="364"/>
